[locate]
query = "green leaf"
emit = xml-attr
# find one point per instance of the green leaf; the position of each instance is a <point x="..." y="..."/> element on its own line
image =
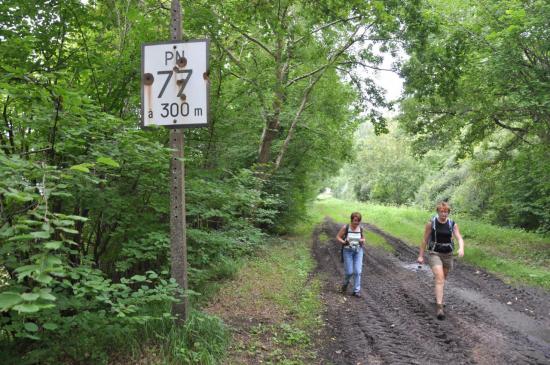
<point x="107" y="161"/>
<point x="20" y="196"/>
<point x="53" y="245"/>
<point x="31" y="327"/>
<point x="50" y="326"/>
<point x="32" y="337"/>
<point x="26" y="308"/>
<point x="138" y="278"/>
<point x="30" y="297"/>
<point x="62" y="222"/>
<point x="21" y="237"/>
<point x="26" y="270"/>
<point x="8" y="300"/>
<point x="32" y="222"/>
<point x="61" y="193"/>
<point x="77" y="218"/>
<point x="46" y="295"/>
<point x="40" y="234"/>
<point x="68" y="230"/>
<point x="81" y="168"/>
<point x="53" y="261"/>
<point x="44" y="278"/>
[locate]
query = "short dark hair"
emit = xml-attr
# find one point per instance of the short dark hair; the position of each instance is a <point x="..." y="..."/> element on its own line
<point x="443" y="206"/>
<point x="355" y="215"/>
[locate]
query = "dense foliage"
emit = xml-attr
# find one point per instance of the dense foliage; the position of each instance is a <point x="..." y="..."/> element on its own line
<point x="476" y="107"/>
<point x="384" y="170"/>
<point x="479" y="80"/>
<point x="84" y="195"/>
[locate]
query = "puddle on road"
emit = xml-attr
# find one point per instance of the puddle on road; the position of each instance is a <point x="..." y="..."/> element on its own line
<point x="506" y="315"/>
<point x="416" y="268"/>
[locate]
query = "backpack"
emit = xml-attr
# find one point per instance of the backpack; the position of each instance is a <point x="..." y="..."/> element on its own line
<point x="344" y="238"/>
<point x="441" y="247"/>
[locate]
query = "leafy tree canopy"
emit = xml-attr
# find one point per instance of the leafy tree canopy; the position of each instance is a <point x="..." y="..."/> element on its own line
<point x="477" y="67"/>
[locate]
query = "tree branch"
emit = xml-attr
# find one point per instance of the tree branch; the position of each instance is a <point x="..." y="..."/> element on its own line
<point x="328" y="25"/>
<point x="292" y="128"/>
<point x="366" y="66"/>
<point x="252" y="39"/>
<point x="311" y="73"/>
<point x="54" y="128"/>
<point x="9" y="126"/>
<point x="502" y="125"/>
<point x="35" y="151"/>
<point x="88" y="57"/>
<point x="331" y="61"/>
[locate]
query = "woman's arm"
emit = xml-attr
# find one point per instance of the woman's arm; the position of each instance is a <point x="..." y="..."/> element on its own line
<point x="424" y="243"/>
<point x="340" y="235"/>
<point x="456" y="233"/>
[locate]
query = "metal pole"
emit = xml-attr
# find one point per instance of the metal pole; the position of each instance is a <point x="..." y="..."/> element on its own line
<point x="178" y="244"/>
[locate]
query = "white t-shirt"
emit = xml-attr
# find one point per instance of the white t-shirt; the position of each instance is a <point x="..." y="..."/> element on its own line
<point x="354" y="237"/>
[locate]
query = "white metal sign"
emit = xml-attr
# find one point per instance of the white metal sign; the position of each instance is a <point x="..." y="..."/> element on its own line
<point x="175" y="84"/>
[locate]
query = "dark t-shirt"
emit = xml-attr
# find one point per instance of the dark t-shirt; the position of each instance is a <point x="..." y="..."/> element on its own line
<point x="443" y="231"/>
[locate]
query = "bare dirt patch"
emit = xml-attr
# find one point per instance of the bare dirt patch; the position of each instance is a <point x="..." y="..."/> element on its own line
<point x="488" y="321"/>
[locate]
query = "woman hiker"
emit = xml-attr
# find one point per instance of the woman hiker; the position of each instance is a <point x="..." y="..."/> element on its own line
<point x="352" y="239"/>
<point x="438" y="238"/>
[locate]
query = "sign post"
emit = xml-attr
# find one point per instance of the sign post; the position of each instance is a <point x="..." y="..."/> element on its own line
<point x="175" y="93"/>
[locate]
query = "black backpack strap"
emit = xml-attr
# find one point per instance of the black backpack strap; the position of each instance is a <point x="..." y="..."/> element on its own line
<point x="346" y="232"/>
<point x="433" y="235"/>
<point x="342" y="246"/>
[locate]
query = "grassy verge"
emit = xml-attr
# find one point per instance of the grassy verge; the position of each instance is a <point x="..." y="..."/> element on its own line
<point x="515" y="255"/>
<point x="265" y="309"/>
<point x="273" y="304"/>
<point x="203" y="339"/>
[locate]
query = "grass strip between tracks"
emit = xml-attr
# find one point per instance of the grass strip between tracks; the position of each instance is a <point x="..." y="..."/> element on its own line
<point x="515" y="255"/>
<point x="273" y="306"/>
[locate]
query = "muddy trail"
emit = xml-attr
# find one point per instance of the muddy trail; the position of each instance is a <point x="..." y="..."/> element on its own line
<point x="488" y="321"/>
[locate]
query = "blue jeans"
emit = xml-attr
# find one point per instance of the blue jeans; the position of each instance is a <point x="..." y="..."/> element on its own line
<point x="353" y="265"/>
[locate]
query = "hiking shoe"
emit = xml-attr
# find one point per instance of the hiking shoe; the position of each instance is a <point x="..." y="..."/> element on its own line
<point x="439" y="313"/>
<point x="344" y="288"/>
<point x="356" y="294"/>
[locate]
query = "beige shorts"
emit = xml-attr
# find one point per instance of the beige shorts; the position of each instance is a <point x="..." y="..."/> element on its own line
<point x="441" y="259"/>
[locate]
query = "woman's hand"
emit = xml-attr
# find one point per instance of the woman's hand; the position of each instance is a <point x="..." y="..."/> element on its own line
<point x="420" y="259"/>
<point x="461" y="252"/>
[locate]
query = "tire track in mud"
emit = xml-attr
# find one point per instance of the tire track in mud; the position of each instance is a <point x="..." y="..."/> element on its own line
<point x="394" y="321"/>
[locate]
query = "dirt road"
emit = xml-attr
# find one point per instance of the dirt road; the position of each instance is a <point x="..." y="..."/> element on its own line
<point x="488" y="321"/>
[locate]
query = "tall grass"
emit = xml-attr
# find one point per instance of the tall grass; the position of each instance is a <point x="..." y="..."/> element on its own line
<point x="516" y="255"/>
<point x="203" y="339"/>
